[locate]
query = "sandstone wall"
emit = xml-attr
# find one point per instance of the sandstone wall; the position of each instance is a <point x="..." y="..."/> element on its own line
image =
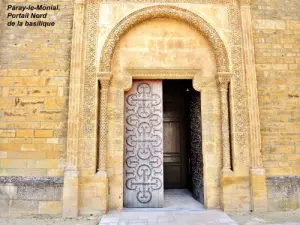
<point x="276" y="27"/>
<point x="34" y="80"/>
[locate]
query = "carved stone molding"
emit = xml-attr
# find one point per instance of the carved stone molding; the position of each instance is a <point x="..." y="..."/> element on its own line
<point x="89" y="105"/>
<point x="164" y="11"/>
<point x="240" y="140"/>
<point x="104" y="75"/>
<point x="245" y="2"/>
<point x="104" y="84"/>
<point x="162" y="74"/>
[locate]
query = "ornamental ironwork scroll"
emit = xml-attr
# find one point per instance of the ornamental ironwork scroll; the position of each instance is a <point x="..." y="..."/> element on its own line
<point x="143" y="183"/>
<point x="196" y="157"/>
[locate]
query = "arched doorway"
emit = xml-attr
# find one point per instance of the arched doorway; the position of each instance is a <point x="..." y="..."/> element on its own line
<point x="168" y="49"/>
<point x="101" y="146"/>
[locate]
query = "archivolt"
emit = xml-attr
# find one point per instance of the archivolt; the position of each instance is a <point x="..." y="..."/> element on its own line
<point x="164" y="11"/>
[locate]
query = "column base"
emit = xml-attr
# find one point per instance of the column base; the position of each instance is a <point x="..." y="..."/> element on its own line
<point x="70" y="194"/>
<point x="227" y="189"/>
<point x="258" y="190"/>
<point x="102" y="175"/>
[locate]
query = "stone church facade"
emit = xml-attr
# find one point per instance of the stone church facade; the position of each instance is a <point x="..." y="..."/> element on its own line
<point x="63" y="117"/>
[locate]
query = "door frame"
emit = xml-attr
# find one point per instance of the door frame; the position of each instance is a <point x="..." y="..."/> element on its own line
<point x="211" y="121"/>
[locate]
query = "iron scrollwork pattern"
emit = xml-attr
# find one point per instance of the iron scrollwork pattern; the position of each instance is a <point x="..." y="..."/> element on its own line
<point x="196" y="148"/>
<point x="143" y="142"/>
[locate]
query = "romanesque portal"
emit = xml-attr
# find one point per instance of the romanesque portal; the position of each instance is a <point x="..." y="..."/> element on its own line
<point x="176" y="44"/>
<point x="63" y="112"/>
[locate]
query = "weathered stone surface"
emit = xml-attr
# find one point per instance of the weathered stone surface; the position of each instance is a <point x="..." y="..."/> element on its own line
<point x="50" y="207"/>
<point x="23" y="207"/>
<point x="4" y="206"/>
<point x="39" y="192"/>
<point x="20" y="181"/>
<point x="283" y="193"/>
<point x="21" y="195"/>
<point x="8" y="192"/>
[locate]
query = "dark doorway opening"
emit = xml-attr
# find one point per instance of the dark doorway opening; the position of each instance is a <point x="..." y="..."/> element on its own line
<point x="183" y="161"/>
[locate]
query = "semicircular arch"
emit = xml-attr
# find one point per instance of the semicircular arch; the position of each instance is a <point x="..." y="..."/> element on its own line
<point x="164" y="11"/>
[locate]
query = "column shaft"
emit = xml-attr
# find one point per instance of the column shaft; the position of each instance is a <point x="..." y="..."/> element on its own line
<point x="71" y="175"/>
<point x="251" y="81"/>
<point x="104" y="83"/>
<point x="225" y="126"/>
<point x="257" y="172"/>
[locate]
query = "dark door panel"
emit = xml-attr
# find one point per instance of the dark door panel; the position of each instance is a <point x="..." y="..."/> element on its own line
<point x="175" y="130"/>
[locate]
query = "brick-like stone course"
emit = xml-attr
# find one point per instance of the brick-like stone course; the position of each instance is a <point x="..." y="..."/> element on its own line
<point x="37" y="47"/>
<point x="276" y="27"/>
<point x="34" y="82"/>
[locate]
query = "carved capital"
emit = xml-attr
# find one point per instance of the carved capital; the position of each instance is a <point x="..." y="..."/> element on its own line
<point x="224" y="79"/>
<point x="104" y="78"/>
<point x="104" y="75"/>
<point x="245" y="2"/>
<point x="104" y="83"/>
<point x="79" y="2"/>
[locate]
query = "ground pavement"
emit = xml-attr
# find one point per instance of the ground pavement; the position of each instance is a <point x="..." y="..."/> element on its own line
<point x="180" y="208"/>
<point x="172" y="217"/>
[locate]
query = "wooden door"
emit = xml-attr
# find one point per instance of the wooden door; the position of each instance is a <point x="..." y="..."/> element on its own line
<point x="143" y="178"/>
<point x="196" y="156"/>
<point x="175" y="130"/>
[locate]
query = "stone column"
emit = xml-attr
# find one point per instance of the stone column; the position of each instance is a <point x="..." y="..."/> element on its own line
<point x="104" y="84"/>
<point x="257" y="172"/>
<point x="71" y="175"/>
<point x="227" y="176"/>
<point x="224" y="81"/>
<point x="104" y="80"/>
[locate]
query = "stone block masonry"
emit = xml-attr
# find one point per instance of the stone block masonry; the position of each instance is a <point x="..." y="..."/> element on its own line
<point x="34" y="83"/>
<point x="37" y="47"/>
<point x="35" y="65"/>
<point x="33" y="122"/>
<point x="31" y="196"/>
<point x="276" y="29"/>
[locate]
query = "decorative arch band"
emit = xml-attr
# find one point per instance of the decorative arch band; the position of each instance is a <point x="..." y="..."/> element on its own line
<point x="164" y="11"/>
